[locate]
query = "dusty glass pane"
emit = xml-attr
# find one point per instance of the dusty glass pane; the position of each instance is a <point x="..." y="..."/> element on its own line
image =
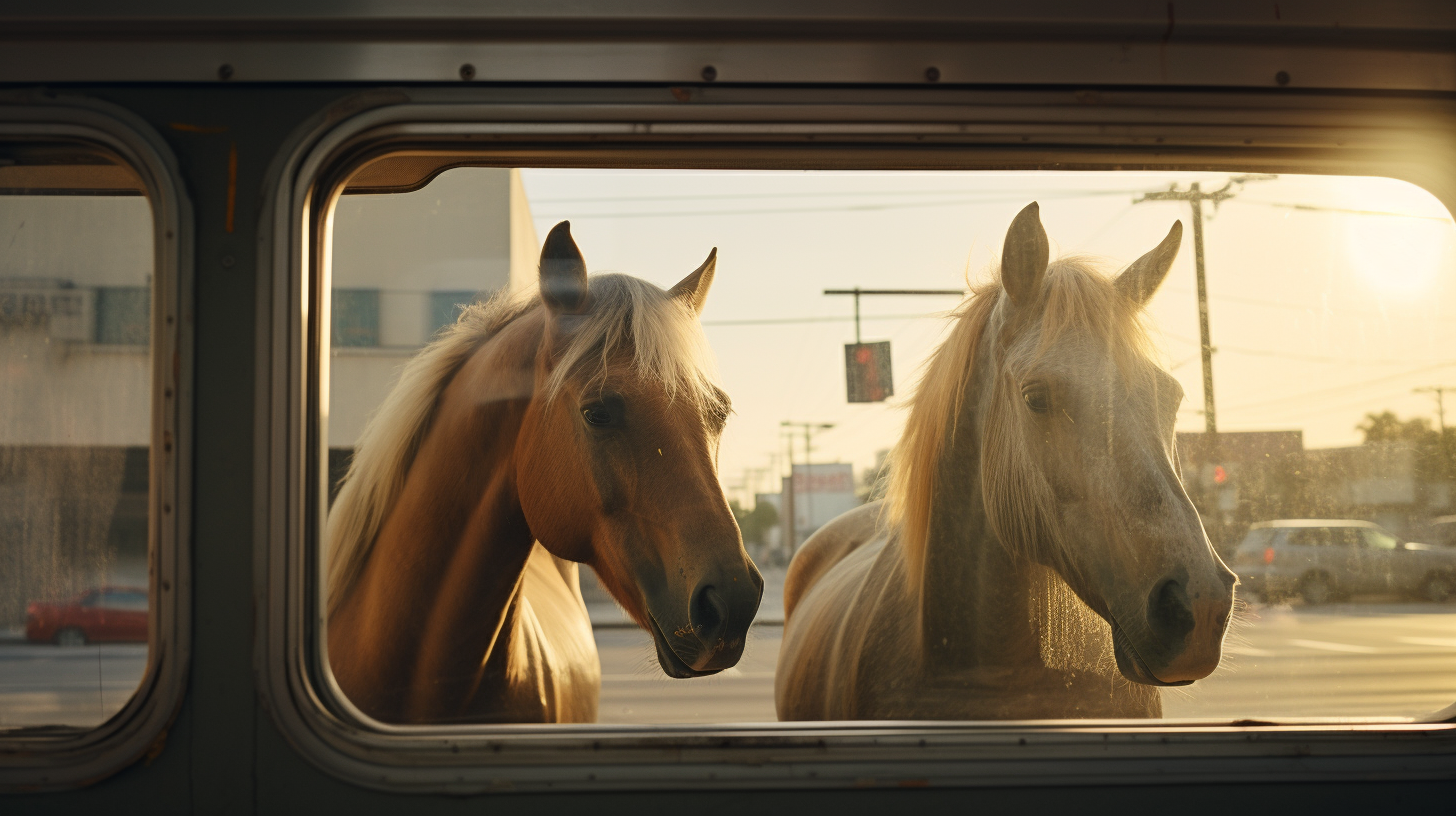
<point x="1320" y="468"/>
<point x="75" y="407"/>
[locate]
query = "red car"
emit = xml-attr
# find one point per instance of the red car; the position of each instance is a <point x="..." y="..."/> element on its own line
<point x="101" y="615"/>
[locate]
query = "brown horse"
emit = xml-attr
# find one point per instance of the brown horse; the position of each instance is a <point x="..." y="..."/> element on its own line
<point x="1035" y="485"/>
<point x="580" y="426"/>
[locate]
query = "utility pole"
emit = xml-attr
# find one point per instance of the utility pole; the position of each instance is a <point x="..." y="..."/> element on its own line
<point x="788" y="497"/>
<point x="1446" y="449"/>
<point x="808" y="428"/>
<point x="1195" y="196"/>
<point x="1440" y="392"/>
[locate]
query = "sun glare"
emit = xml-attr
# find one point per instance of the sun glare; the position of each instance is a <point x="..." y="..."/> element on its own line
<point x="1398" y="256"/>
<point x="1398" y="238"/>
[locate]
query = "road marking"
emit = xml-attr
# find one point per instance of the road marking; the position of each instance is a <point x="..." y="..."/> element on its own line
<point x="730" y="674"/>
<point x="1327" y="646"/>
<point x="1449" y="643"/>
<point x="1248" y="651"/>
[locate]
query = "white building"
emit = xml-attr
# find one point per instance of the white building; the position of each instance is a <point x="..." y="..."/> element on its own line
<point x="403" y="263"/>
<point x="816" y="494"/>
<point x="75" y="382"/>
<point x="75" y="388"/>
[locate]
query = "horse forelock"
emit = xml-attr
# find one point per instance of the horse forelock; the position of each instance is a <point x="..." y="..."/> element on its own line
<point x="1076" y="298"/>
<point x="660" y="335"/>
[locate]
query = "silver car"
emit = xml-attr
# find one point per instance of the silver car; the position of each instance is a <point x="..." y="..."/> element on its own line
<point x="1322" y="559"/>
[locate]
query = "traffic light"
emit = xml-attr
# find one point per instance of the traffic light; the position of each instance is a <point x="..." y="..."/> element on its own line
<point x="867" y="371"/>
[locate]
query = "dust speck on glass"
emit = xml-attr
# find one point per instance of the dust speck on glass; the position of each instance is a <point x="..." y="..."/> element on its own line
<point x="1005" y="433"/>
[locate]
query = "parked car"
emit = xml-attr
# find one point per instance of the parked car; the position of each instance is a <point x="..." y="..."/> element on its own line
<point x="101" y="615"/>
<point x="1442" y="530"/>
<point x="1321" y="559"/>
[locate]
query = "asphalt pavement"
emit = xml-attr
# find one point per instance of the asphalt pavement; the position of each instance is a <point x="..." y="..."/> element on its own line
<point x="1376" y="658"/>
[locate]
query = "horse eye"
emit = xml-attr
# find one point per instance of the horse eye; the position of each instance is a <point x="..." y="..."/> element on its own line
<point x="1036" y="398"/>
<point x="597" y="415"/>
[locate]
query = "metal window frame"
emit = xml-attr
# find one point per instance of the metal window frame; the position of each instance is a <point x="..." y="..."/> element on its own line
<point x="1406" y="137"/>
<point x="48" y="759"/>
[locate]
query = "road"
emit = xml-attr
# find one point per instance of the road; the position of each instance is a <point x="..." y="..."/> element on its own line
<point x="55" y="685"/>
<point x="1340" y="660"/>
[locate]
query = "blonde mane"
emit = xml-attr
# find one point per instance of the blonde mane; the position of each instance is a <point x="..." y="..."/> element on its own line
<point x="625" y="315"/>
<point x="1075" y="297"/>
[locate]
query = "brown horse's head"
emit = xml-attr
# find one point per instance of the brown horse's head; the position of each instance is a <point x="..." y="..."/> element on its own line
<point x="616" y="462"/>
<point x="1079" y="467"/>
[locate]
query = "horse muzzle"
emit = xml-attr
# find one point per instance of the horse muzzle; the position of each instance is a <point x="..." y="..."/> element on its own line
<point x="713" y="637"/>
<point x="1182" y="640"/>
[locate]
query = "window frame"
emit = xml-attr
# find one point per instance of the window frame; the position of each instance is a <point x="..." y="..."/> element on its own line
<point x="51" y="759"/>
<point x="777" y="127"/>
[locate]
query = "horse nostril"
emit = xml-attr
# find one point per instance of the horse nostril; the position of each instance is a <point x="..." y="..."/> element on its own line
<point x="709" y="614"/>
<point x="1169" y="613"/>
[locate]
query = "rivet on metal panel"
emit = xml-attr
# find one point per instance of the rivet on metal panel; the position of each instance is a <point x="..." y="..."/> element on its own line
<point x="467" y="72"/>
<point x="932" y="74"/>
<point x="1282" y="77"/>
<point x="224" y="71"/>
<point x="709" y="73"/>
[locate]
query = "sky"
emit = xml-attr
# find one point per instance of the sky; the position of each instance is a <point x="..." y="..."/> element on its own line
<point x="1328" y="296"/>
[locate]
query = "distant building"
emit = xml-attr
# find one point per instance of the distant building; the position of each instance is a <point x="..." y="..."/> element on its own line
<point x="75" y="355"/>
<point x="75" y="394"/>
<point x="815" y="494"/>
<point x="403" y="266"/>
<point x="1255" y="476"/>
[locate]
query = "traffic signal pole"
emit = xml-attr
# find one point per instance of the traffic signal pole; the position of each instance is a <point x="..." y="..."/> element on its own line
<point x="857" y="292"/>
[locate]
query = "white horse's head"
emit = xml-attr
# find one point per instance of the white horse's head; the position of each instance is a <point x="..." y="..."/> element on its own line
<point x="1079" y="470"/>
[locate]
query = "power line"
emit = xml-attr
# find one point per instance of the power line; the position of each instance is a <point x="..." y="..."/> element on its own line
<point x="548" y="214"/>
<point x="1289" y="355"/>
<point x="1345" y="387"/>
<point x="1000" y="195"/>
<point x="1316" y="208"/>
<point x="784" y="321"/>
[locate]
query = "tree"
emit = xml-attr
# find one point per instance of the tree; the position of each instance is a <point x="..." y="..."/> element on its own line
<point x="1435" y="451"/>
<point x="1387" y="427"/>
<point x="754" y="523"/>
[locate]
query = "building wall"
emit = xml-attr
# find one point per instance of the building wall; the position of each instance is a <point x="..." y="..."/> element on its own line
<point x="75" y="395"/>
<point x="65" y="386"/>
<point x="466" y="235"/>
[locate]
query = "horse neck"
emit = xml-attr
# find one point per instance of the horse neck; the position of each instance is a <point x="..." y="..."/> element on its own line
<point x="974" y="594"/>
<point x="444" y="571"/>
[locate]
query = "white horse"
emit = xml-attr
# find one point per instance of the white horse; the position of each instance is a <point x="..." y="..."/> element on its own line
<point x="1036" y="484"/>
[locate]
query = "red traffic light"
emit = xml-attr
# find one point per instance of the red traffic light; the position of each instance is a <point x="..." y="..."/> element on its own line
<point x="1219" y="474"/>
<point x="867" y="372"/>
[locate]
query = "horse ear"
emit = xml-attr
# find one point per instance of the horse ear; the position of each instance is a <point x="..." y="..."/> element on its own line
<point x="693" y="290"/>
<point x="563" y="272"/>
<point x="1024" y="257"/>
<point x="1146" y="274"/>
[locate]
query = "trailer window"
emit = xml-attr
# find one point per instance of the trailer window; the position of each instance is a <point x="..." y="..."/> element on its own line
<point x="1330" y="320"/>
<point x="75" y="434"/>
